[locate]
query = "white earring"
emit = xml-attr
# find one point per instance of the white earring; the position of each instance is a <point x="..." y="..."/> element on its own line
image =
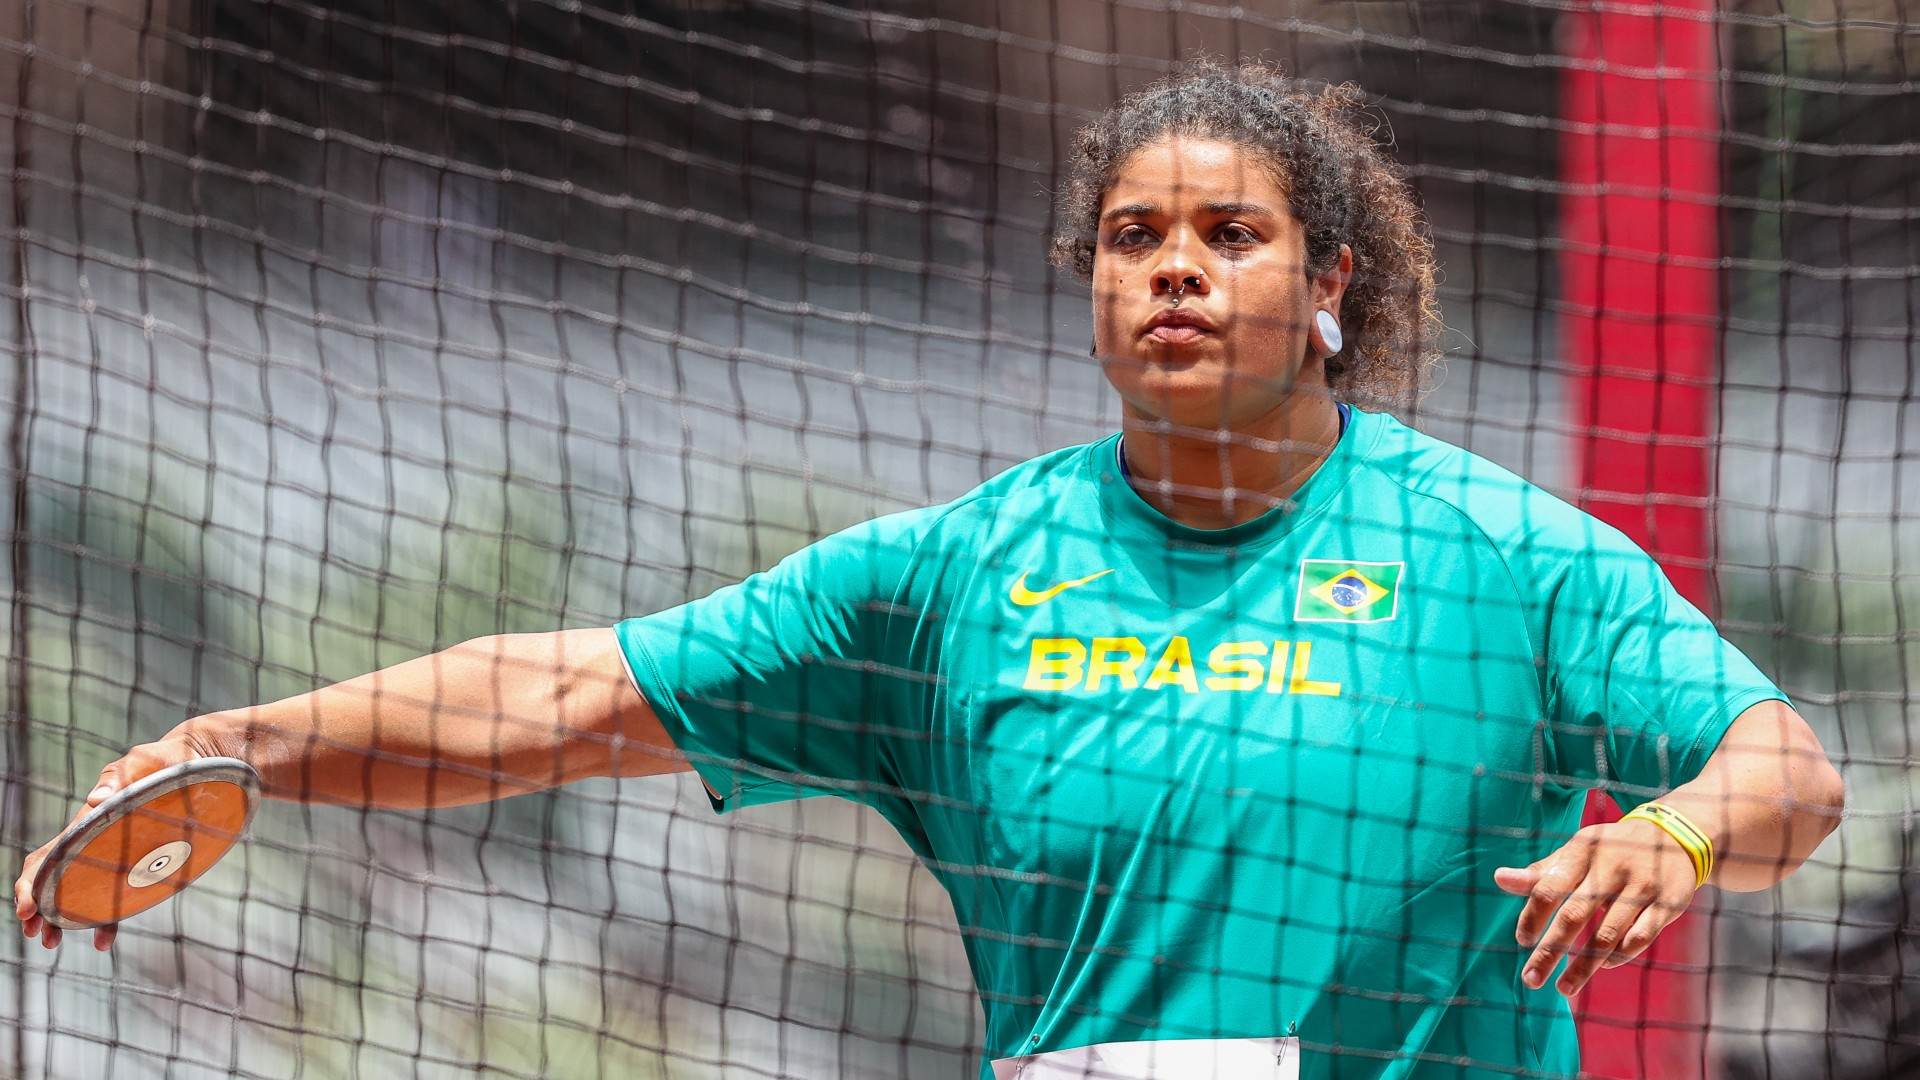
<point x="1329" y="328"/>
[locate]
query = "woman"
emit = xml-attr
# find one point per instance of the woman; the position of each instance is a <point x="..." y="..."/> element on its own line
<point x="1245" y="740"/>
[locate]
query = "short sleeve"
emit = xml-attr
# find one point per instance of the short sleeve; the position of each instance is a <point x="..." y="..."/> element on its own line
<point x="789" y="684"/>
<point x="1640" y="686"/>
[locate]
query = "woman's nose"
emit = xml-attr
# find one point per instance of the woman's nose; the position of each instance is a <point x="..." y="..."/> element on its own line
<point x="1179" y="278"/>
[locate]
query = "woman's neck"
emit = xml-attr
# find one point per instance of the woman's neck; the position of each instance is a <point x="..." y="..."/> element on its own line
<point x="1212" y="484"/>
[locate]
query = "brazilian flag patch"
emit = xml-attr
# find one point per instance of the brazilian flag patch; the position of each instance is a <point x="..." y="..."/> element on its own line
<point x="1341" y="590"/>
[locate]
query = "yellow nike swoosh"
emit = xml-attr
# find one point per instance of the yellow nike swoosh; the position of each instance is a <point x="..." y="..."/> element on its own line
<point x="1026" y="597"/>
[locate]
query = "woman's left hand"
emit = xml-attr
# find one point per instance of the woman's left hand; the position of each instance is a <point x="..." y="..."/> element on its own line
<point x="1630" y="875"/>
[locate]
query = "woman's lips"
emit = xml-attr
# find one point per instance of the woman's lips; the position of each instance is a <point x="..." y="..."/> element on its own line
<point x="1177" y="333"/>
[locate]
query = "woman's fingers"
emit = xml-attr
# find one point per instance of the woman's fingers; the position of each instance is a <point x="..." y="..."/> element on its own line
<point x="1582" y="902"/>
<point x="32" y="923"/>
<point x="24" y="908"/>
<point x="1517" y="880"/>
<point x="1607" y="938"/>
<point x="1639" y="937"/>
<point x="1553" y="879"/>
<point x="141" y="761"/>
<point x="36" y="925"/>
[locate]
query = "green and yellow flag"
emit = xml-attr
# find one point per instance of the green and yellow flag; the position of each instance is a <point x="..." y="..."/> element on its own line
<point x="1340" y="590"/>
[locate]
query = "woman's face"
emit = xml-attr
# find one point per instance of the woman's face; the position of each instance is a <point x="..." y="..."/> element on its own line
<point x="1208" y="219"/>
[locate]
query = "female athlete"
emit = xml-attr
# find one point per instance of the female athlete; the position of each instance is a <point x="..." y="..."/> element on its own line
<point x="1251" y="740"/>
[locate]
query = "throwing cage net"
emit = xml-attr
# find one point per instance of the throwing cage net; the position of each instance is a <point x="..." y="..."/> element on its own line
<point x="334" y="334"/>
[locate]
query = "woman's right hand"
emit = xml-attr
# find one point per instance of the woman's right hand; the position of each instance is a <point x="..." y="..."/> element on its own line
<point x="143" y="760"/>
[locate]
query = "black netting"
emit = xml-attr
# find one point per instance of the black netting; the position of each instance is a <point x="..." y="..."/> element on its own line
<point x="333" y="334"/>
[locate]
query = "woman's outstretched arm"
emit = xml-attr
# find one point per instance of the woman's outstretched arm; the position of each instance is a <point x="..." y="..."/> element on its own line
<point x="488" y="718"/>
<point x="482" y="720"/>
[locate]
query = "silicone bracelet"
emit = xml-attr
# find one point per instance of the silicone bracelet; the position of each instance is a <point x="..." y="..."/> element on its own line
<point x="1691" y="838"/>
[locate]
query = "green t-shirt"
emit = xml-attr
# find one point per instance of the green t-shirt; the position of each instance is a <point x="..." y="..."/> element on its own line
<point x="1231" y="783"/>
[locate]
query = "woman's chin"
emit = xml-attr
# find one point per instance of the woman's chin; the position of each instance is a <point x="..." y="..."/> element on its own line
<point x="1187" y="394"/>
<point x="1173" y="370"/>
<point x="1191" y="389"/>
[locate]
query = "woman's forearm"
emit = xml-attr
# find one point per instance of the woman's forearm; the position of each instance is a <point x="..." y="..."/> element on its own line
<point x="488" y="718"/>
<point x="1767" y="798"/>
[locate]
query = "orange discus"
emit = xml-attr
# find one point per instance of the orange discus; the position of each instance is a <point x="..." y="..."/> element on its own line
<point x="146" y="842"/>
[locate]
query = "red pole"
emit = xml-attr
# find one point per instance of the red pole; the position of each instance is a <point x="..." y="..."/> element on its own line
<point x="1642" y="173"/>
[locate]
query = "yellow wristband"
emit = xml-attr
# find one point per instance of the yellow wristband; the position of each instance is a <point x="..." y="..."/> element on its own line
<point x="1692" y="838"/>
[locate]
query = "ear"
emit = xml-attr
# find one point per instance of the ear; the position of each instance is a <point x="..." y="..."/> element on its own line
<point x="1330" y="287"/>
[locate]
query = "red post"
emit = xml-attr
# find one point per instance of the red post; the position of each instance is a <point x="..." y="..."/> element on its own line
<point x="1642" y="169"/>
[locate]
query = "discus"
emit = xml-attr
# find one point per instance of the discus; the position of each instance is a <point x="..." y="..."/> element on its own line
<point x="145" y="842"/>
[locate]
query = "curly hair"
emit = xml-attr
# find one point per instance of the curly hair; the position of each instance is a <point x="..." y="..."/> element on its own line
<point x="1340" y="186"/>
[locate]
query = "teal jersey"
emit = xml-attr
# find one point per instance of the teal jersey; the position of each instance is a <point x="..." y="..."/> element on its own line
<point x="1235" y="783"/>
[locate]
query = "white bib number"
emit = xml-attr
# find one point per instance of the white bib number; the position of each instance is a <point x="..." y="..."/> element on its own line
<point x="1174" y="1059"/>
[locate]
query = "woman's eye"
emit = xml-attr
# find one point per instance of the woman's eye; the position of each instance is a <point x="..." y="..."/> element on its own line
<point x="1237" y="235"/>
<point x="1131" y="235"/>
